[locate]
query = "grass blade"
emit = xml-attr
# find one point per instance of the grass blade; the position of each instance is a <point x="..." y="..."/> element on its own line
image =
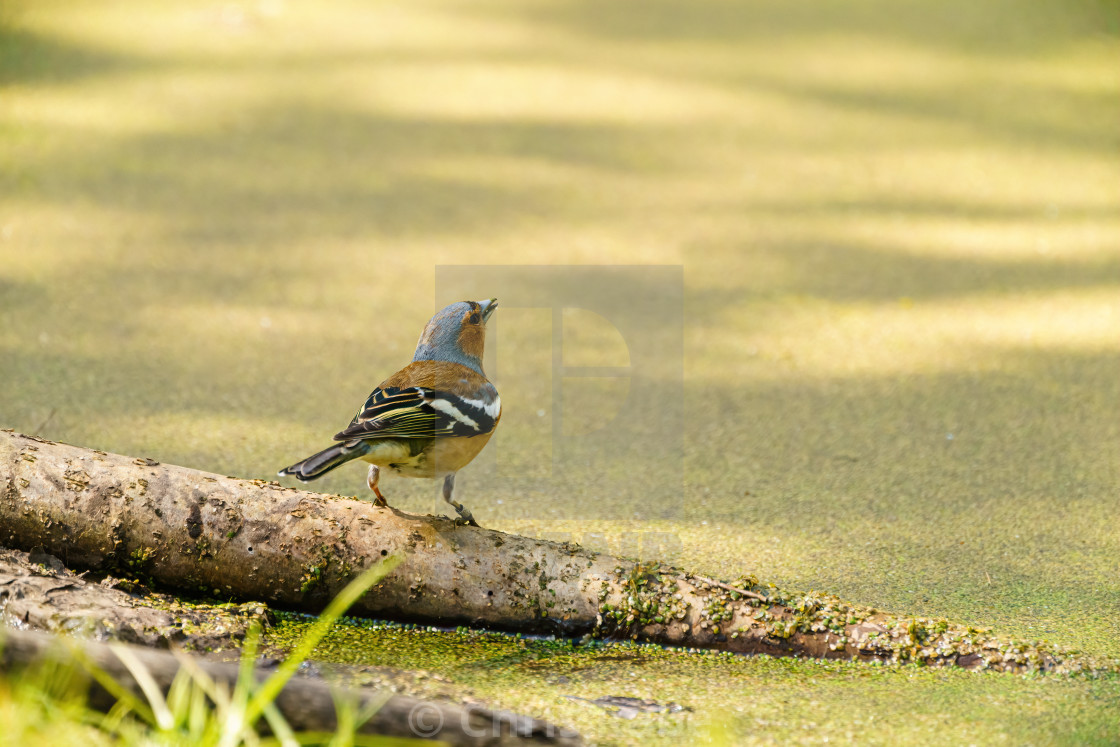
<point x="163" y="718"/>
<point x="353" y="591"/>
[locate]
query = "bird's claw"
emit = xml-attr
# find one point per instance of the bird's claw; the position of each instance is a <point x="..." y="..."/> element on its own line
<point x="465" y="517"/>
<point x="372" y="478"/>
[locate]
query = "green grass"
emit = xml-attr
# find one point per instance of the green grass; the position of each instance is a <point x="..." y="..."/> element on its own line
<point x="45" y="702"/>
<point x="898" y="222"/>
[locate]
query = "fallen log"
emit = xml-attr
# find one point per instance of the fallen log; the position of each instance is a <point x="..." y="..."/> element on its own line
<point x="306" y="705"/>
<point x="38" y="592"/>
<point x="256" y="540"/>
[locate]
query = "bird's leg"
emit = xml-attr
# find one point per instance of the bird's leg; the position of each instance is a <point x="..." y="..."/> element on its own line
<point x="464" y="513"/>
<point x="372" y="477"/>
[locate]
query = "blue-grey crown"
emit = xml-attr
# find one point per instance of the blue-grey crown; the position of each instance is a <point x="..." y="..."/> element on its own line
<point x="443" y="342"/>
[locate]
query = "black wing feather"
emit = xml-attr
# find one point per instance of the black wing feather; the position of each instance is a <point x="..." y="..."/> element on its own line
<point x="417" y="412"/>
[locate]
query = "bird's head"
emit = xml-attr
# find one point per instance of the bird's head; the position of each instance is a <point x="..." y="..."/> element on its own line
<point x="457" y="333"/>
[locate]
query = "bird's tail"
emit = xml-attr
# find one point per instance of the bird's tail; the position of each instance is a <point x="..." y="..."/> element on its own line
<point x="320" y="464"/>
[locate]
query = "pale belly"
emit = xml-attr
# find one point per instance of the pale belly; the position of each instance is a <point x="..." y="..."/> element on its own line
<point x="444" y="457"/>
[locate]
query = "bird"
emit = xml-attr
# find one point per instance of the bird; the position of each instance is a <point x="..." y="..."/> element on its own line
<point x="431" y="418"/>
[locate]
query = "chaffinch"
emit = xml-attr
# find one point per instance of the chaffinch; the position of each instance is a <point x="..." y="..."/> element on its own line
<point x="431" y="418"/>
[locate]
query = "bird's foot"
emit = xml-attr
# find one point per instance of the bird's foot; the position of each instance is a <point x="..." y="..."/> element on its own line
<point x="466" y="518"/>
<point x="372" y="478"/>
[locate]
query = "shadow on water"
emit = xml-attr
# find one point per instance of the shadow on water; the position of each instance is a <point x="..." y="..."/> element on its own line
<point x="956" y="26"/>
<point x="31" y="58"/>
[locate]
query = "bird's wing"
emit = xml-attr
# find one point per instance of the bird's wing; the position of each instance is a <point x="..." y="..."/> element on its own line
<point x="422" y="412"/>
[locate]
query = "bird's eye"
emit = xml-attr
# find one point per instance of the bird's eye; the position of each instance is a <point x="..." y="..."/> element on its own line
<point x="475" y="318"/>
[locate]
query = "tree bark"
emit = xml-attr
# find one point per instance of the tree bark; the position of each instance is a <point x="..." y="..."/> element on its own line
<point x="38" y="592"/>
<point x="256" y="540"/>
<point x="307" y="705"/>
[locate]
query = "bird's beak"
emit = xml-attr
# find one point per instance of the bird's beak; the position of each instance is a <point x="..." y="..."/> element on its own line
<point x="487" y="308"/>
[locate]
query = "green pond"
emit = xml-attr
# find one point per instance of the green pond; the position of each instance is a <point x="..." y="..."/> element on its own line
<point x="880" y="359"/>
